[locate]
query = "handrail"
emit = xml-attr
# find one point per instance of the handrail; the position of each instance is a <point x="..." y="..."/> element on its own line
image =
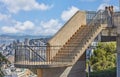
<point x="23" y="53"/>
<point x="26" y="55"/>
<point x="95" y="17"/>
<point x="35" y="52"/>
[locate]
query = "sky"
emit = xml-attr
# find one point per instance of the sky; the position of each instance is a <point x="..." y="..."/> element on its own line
<point x="43" y="17"/>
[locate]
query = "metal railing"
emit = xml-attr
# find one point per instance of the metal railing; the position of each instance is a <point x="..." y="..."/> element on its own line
<point x="96" y="18"/>
<point x="30" y="53"/>
<point x="90" y="15"/>
<point x="116" y="19"/>
<point x="100" y="17"/>
<point x="38" y="55"/>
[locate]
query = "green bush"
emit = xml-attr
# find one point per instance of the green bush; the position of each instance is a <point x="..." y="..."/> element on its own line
<point x="104" y="56"/>
<point x="103" y="61"/>
<point x="106" y="73"/>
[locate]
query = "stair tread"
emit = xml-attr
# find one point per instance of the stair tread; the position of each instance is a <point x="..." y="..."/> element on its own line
<point x="65" y="54"/>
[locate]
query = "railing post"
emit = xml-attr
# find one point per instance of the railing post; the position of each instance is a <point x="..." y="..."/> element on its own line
<point x="48" y="52"/>
<point x="118" y="55"/>
<point x="39" y="72"/>
<point x="16" y="49"/>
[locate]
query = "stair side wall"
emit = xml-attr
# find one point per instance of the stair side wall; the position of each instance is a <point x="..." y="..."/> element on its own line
<point x="77" y="70"/>
<point x="64" y="34"/>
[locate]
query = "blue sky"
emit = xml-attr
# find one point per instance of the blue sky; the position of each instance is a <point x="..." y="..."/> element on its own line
<point x="43" y="17"/>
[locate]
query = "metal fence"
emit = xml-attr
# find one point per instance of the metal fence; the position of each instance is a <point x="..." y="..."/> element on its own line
<point x="96" y="18"/>
<point x="38" y="55"/>
<point x="101" y="17"/>
<point x="116" y="19"/>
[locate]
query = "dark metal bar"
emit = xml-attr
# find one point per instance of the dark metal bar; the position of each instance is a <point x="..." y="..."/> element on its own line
<point x="36" y="53"/>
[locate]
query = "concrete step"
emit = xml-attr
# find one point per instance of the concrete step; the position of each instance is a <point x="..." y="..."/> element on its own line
<point x="62" y="60"/>
<point x="64" y="57"/>
<point x="66" y="54"/>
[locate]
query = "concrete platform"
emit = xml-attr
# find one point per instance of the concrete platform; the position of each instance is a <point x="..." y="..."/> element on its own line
<point x="36" y="65"/>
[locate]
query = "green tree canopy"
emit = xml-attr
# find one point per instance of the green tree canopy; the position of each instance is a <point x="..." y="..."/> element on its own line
<point x="104" y="56"/>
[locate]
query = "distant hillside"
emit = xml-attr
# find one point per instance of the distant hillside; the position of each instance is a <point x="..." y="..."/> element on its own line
<point x="23" y="36"/>
<point x="8" y="38"/>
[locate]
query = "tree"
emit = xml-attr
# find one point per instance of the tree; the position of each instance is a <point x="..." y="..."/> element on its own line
<point x="104" y="56"/>
<point x="3" y="59"/>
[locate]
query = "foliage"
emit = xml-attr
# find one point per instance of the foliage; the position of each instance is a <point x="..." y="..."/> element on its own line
<point x="104" y="56"/>
<point x="1" y="73"/>
<point x="3" y="59"/>
<point x="104" y="73"/>
<point x="109" y="47"/>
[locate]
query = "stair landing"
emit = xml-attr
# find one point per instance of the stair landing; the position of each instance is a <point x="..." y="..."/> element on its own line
<point x="27" y="64"/>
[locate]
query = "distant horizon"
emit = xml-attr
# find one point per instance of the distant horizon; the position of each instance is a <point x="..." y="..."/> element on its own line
<point x="11" y="38"/>
<point x="23" y="35"/>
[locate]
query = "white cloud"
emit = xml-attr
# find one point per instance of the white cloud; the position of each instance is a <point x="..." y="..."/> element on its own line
<point x="27" y="25"/>
<point x="45" y="27"/>
<point x="116" y="8"/>
<point x="18" y="27"/>
<point x="67" y="14"/>
<point x="15" y="6"/>
<point x="8" y="29"/>
<point x="102" y="7"/>
<point x="4" y="17"/>
<point x="48" y="27"/>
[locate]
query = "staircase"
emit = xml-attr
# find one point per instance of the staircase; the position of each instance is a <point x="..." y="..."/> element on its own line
<point x="77" y="44"/>
<point x="65" y="48"/>
<point x="80" y="40"/>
